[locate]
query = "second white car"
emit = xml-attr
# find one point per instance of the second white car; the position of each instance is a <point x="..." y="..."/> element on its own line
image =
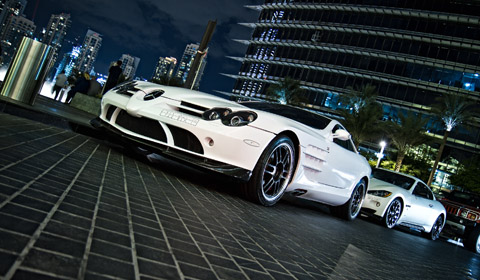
<point x="401" y="199"/>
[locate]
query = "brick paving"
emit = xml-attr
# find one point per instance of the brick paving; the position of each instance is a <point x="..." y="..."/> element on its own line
<point x="76" y="207"/>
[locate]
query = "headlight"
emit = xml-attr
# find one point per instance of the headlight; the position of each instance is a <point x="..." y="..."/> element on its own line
<point x="215" y="114"/>
<point x="380" y="193"/>
<point x="239" y="118"/>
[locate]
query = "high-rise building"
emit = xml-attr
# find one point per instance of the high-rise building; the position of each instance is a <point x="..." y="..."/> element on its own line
<point x="186" y="62"/>
<point x="129" y="65"/>
<point x="90" y="47"/>
<point x="10" y="8"/>
<point x="412" y="51"/>
<point x="16" y="27"/>
<point x="55" y="32"/>
<point x="165" y="67"/>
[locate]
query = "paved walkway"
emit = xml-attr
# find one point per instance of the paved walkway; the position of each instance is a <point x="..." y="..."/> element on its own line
<point x="77" y="207"/>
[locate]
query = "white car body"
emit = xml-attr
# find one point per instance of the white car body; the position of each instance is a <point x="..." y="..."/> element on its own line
<point x="420" y="209"/>
<point x="323" y="170"/>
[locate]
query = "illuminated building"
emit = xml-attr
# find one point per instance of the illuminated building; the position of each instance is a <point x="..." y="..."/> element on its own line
<point x="88" y="54"/>
<point x="412" y="51"/>
<point x="129" y="65"/>
<point x="186" y="62"/>
<point x="164" y="68"/>
<point x="55" y="33"/>
<point x="16" y="27"/>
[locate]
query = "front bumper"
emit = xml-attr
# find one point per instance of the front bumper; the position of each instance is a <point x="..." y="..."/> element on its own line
<point x="188" y="158"/>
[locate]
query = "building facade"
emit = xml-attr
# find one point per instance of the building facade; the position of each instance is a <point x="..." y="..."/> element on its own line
<point x="55" y="33"/>
<point x="129" y="65"/>
<point x="88" y="54"/>
<point x="164" y="68"/>
<point x="16" y="27"/>
<point x="186" y="62"/>
<point x="412" y="51"/>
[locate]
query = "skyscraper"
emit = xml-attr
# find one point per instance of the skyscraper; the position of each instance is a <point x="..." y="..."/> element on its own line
<point x="186" y="62"/>
<point x="412" y="51"/>
<point x="55" y="32"/>
<point x="88" y="54"/>
<point x="16" y="27"/>
<point x="129" y="65"/>
<point x="10" y="8"/>
<point x="164" y="68"/>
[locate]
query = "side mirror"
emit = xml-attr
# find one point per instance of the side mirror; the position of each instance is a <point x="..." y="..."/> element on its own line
<point x="341" y="134"/>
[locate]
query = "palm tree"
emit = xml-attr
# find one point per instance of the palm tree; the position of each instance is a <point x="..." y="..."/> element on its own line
<point x="363" y="124"/>
<point x="452" y="109"/>
<point x="406" y="134"/>
<point x="362" y="115"/>
<point x="287" y="91"/>
<point x="168" y="81"/>
<point x="359" y="97"/>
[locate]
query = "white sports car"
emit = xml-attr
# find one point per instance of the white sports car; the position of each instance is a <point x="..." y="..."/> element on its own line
<point x="401" y="199"/>
<point x="273" y="148"/>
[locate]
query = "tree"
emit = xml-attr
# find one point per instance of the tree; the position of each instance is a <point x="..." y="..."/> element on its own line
<point x="362" y="113"/>
<point x="287" y="91"/>
<point x="452" y="109"/>
<point x="407" y="133"/>
<point x="468" y="175"/>
<point x="167" y="81"/>
<point x="359" y="97"/>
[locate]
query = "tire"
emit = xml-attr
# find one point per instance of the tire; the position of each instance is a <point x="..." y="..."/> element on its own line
<point x="393" y="213"/>
<point x="350" y="210"/>
<point x="472" y="242"/>
<point x="436" y="229"/>
<point x="273" y="172"/>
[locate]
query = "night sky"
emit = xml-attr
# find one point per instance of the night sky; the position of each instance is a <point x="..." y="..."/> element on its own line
<point x="149" y="29"/>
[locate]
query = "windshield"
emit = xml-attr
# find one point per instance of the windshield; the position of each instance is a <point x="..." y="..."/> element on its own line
<point x="306" y="117"/>
<point x="465" y="198"/>
<point x="393" y="178"/>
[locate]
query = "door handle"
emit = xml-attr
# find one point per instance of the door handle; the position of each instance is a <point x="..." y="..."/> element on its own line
<point x="431" y="205"/>
<point x="408" y="206"/>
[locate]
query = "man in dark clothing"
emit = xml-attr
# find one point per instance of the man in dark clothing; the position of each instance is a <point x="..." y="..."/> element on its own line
<point x="81" y="85"/>
<point x="113" y="74"/>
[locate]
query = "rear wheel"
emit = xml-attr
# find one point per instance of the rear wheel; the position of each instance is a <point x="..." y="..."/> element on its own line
<point x="273" y="172"/>
<point x="393" y="213"/>
<point x="436" y="229"/>
<point x="350" y="210"/>
<point x="473" y="240"/>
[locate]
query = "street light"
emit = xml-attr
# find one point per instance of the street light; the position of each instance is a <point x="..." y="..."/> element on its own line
<point x="380" y="155"/>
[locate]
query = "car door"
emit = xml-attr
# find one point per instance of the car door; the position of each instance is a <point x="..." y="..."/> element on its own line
<point x="342" y="162"/>
<point x="421" y="207"/>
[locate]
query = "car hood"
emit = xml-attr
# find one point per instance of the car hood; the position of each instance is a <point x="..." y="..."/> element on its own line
<point x="376" y="184"/>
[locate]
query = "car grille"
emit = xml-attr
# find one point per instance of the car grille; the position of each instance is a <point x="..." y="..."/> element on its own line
<point x="110" y="111"/>
<point x="152" y="129"/>
<point x="461" y="211"/>
<point x="192" y="109"/>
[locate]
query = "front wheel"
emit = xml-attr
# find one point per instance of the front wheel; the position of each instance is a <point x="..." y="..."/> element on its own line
<point x="273" y="172"/>
<point x="393" y="213"/>
<point x="350" y="210"/>
<point x="436" y="229"/>
<point x="473" y="240"/>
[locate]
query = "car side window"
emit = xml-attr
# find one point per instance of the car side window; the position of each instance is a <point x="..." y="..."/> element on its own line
<point x="423" y="191"/>
<point x="346" y="144"/>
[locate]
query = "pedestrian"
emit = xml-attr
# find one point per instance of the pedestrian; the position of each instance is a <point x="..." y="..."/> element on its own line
<point x="113" y="75"/>
<point x="60" y="84"/>
<point x="81" y="85"/>
<point x="95" y="87"/>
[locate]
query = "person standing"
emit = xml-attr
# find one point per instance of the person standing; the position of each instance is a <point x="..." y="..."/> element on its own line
<point x="113" y="75"/>
<point x="95" y="87"/>
<point x="60" y="84"/>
